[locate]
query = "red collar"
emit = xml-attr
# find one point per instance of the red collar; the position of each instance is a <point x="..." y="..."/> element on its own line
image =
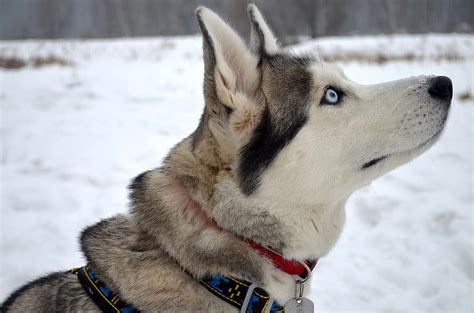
<point x="291" y="267"/>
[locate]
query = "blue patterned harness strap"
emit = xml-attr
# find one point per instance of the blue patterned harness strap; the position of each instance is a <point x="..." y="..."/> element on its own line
<point x="102" y="296"/>
<point x="241" y="294"/>
<point x="245" y="296"/>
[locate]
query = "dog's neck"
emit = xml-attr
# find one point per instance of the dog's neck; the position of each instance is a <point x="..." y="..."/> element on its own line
<point x="298" y="232"/>
<point x="166" y="206"/>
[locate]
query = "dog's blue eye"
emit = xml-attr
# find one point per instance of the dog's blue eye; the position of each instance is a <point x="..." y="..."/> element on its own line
<point x="331" y="96"/>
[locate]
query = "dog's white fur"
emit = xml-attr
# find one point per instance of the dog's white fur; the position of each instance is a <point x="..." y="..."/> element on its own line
<point x="307" y="185"/>
<point x="316" y="182"/>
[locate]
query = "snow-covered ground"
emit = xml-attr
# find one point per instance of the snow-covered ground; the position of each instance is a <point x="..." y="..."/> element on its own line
<point x="72" y="137"/>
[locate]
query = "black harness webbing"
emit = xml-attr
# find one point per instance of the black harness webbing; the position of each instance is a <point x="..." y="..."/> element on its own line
<point x="102" y="296"/>
<point x="245" y="296"/>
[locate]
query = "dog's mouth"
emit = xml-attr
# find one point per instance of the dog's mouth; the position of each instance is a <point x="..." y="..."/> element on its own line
<point x="375" y="161"/>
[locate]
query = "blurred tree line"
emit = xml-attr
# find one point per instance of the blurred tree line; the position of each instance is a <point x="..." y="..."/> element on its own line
<point x="22" y="19"/>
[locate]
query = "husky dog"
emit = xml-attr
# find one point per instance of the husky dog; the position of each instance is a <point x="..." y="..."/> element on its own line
<point x="283" y="142"/>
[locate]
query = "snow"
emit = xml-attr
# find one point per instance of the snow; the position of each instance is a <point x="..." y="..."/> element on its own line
<point x="72" y="138"/>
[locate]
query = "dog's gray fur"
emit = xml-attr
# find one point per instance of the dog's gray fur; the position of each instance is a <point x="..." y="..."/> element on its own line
<point x="260" y="106"/>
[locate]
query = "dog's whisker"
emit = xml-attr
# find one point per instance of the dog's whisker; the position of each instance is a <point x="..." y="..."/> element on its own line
<point x="320" y="59"/>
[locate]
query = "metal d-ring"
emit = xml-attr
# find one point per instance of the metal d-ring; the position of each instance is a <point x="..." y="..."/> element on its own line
<point x="302" y="280"/>
<point x="299" y="287"/>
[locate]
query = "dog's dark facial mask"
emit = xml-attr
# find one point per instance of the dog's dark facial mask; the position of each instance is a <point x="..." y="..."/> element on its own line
<point x="286" y="83"/>
<point x="257" y="98"/>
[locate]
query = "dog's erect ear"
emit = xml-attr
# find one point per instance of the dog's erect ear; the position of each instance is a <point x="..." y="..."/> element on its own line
<point x="230" y="67"/>
<point x="262" y="40"/>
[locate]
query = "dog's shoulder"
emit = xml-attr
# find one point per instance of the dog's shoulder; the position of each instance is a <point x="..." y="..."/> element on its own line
<point x="131" y="264"/>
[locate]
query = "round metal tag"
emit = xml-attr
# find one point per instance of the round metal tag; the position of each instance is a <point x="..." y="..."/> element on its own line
<point x="299" y="305"/>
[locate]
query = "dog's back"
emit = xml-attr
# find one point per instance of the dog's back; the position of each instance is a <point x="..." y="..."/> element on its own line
<point x="57" y="292"/>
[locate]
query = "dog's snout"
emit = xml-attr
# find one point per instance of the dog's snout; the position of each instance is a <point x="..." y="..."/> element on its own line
<point x="441" y="87"/>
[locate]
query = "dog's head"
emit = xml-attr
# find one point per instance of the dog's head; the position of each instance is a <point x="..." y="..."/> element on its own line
<point x="297" y="131"/>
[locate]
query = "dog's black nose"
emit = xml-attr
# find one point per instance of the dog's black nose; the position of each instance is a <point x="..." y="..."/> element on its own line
<point x="441" y="87"/>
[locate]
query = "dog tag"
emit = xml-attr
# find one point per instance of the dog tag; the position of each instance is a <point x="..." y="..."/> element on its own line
<point x="299" y="305"/>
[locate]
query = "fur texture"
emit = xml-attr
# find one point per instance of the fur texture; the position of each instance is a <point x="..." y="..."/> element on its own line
<point x="270" y="161"/>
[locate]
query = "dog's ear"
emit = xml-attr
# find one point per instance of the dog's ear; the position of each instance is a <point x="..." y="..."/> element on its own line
<point x="230" y="67"/>
<point x="262" y="40"/>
